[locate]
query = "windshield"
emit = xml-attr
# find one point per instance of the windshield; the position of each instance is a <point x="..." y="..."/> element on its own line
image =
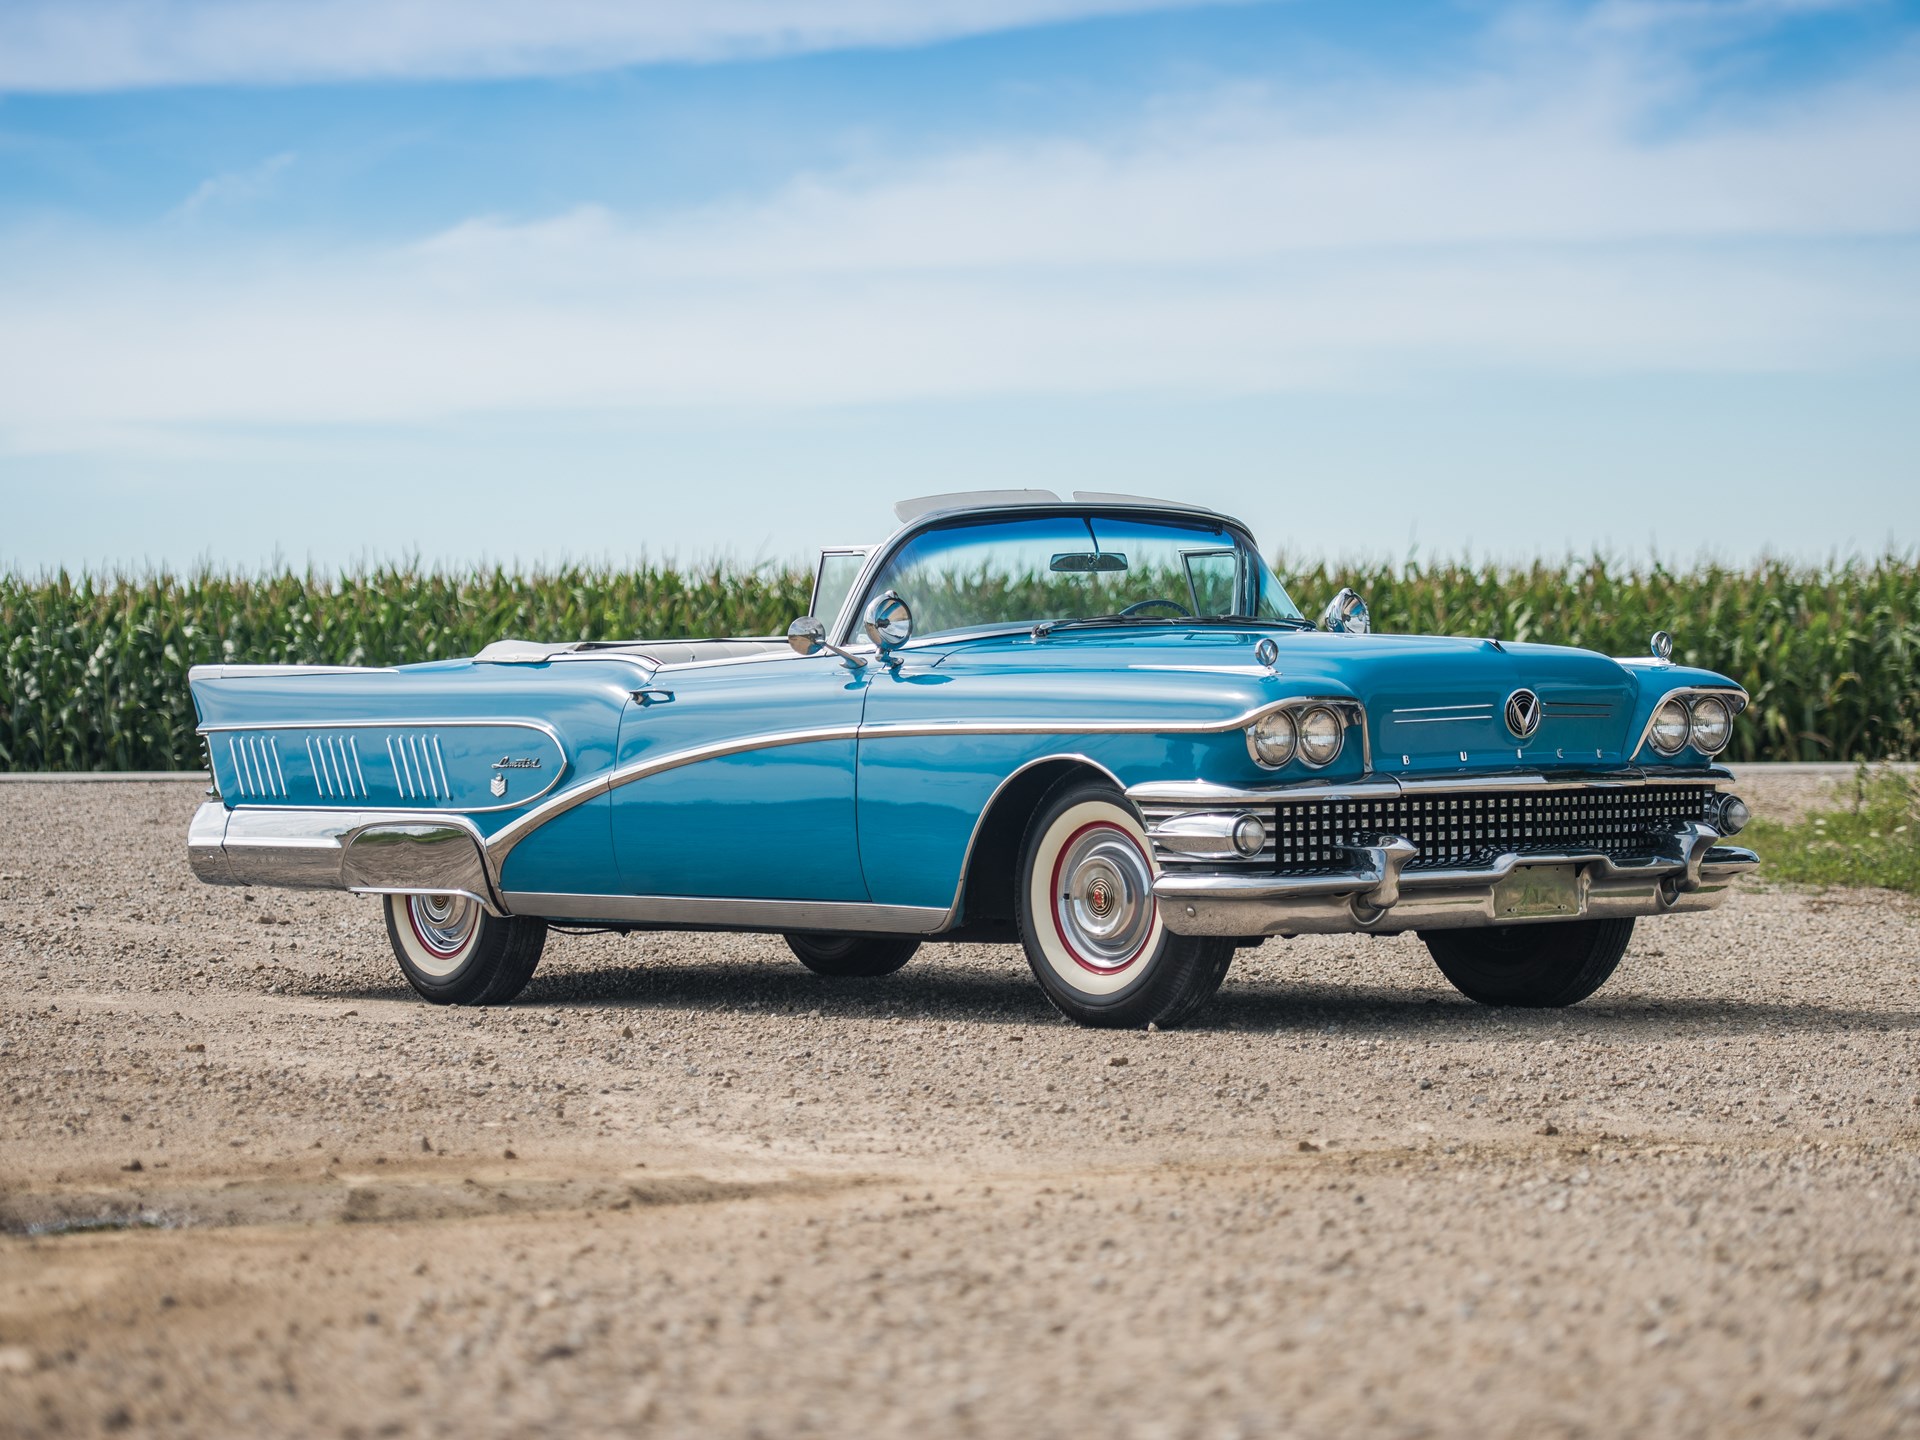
<point x="1065" y="567"/>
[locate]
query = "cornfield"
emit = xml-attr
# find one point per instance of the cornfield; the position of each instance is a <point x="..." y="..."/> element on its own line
<point x="95" y="668"/>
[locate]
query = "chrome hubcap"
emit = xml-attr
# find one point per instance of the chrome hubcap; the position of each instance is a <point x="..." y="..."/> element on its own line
<point x="444" y="925"/>
<point x="1105" y="907"/>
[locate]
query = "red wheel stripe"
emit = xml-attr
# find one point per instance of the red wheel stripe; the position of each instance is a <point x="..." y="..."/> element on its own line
<point x="413" y="920"/>
<point x="1054" y="899"/>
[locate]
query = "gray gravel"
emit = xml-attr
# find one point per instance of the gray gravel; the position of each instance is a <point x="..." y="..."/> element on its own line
<point x="249" y="1185"/>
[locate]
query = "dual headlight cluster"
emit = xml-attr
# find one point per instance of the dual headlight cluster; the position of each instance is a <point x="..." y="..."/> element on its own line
<point x="1315" y="734"/>
<point x="1703" y="721"/>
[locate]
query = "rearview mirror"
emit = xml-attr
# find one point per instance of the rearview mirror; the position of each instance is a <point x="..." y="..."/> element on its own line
<point x="808" y="636"/>
<point x="1087" y="562"/>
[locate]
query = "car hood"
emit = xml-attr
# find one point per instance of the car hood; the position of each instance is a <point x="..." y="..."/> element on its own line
<point x="1433" y="702"/>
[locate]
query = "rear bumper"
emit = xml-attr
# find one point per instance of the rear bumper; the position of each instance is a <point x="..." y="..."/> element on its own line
<point x="369" y="853"/>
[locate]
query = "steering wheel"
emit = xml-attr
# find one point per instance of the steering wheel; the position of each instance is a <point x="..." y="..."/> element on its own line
<point x="1139" y="605"/>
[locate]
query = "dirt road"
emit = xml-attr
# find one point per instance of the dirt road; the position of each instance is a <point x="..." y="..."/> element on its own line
<point x="248" y="1185"/>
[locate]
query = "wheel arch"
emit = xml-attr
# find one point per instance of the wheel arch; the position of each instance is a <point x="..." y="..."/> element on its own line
<point x="987" y="876"/>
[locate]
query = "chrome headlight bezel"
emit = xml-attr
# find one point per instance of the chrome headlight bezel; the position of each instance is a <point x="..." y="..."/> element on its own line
<point x="1680" y="721"/>
<point x="1273" y="740"/>
<point x="1307" y="757"/>
<point x="1694" y="726"/>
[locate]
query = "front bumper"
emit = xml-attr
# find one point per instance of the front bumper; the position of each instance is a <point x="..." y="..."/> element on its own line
<point x="1380" y="886"/>
<point x="1372" y="899"/>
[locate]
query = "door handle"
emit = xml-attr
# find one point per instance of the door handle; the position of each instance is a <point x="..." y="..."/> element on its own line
<point x="652" y="697"/>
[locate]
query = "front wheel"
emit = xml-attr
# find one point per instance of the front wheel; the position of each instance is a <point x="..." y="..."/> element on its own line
<point x="1091" y="923"/>
<point x="454" y="953"/>
<point x="1552" y="963"/>
<point x="852" y="956"/>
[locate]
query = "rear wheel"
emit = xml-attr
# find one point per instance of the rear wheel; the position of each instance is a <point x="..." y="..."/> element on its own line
<point x="852" y="956"/>
<point x="1090" y="921"/>
<point x="1557" y="962"/>
<point x="454" y="953"/>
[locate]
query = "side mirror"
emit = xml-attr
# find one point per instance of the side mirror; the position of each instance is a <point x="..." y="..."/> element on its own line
<point x="889" y="624"/>
<point x="808" y="636"/>
<point x="1346" y="613"/>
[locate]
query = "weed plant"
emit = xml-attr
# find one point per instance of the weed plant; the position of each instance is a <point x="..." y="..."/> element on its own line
<point x="1871" y="838"/>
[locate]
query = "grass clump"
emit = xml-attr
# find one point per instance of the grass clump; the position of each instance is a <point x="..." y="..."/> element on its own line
<point x="1873" y="840"/>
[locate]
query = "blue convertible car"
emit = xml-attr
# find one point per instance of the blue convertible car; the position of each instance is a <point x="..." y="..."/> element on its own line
<point x="1097" y="727"/>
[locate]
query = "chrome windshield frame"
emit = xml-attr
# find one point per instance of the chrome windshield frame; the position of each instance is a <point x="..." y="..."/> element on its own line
<point x="845" y="626"/>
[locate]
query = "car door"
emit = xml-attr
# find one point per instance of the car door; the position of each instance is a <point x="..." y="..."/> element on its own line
<point x="737" y="780"/>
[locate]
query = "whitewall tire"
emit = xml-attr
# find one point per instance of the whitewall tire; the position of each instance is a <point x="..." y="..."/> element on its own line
<point x="1091" y="924"/>
<point x="454" y="953"/>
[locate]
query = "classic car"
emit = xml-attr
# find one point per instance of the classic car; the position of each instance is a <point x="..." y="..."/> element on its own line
<point x="1099" y="728"/>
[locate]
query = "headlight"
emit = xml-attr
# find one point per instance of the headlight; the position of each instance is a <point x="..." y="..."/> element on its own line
<point x="1712" y="725"/>
<point x="1671" y="726"/>
<point x="1271" y="738"/>
<point x="1321" y="735"/>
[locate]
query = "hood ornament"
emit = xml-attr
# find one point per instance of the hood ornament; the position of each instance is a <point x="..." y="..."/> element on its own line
<point x="1524" y="713"/>
<point x="1661" y="645"/>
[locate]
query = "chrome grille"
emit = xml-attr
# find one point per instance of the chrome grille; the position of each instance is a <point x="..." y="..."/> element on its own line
<point x="1474" y="827"/>
<point x="256" y="766"/>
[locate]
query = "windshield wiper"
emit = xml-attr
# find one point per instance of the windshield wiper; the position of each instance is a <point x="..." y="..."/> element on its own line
<point x="1047" y="627"/>
<point x="1251" y="620"/>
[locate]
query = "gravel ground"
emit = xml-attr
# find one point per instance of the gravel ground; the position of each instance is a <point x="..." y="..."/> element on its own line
<point x="249" y="1185"/>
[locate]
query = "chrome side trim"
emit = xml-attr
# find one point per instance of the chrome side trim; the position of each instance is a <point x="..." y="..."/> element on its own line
<point x="258" y="672"/>
<point x="516" y="830"/>
<point x="699" y="912"/>
<point x="1736" y="698"/>
<point x="409" y="723"/>
<point x="414" y="778"/>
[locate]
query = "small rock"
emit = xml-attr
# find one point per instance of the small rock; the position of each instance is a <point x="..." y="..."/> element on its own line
<point x="133" y="1167"/>
<point x="1116" y="1060"/>
<point x="626" y="1032"/>
<point x="196" y="1048"/>
<point x="424" y="1143"/>
<point x="1153" y="1027"/>
<point x="1425" y="1084"/>
<point x="1308" y="1147"/>
<point x="1549" y="1128"/>
<point x="508" y="1155"/>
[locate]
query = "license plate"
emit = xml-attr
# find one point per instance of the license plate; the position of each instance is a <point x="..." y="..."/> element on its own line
<point x="1535" y="891"/>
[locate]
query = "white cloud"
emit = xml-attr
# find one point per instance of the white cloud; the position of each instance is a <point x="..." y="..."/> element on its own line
<point x="234" y="187"/>
<point x="1532" y="220"/>
<point x="67" y="45"/>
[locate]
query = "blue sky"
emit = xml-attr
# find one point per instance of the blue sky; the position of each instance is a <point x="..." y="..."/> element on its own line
<point x="339" y="280"/>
